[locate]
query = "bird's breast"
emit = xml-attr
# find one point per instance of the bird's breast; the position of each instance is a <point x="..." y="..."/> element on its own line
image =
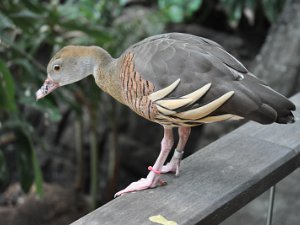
<point x="135" y="90"/>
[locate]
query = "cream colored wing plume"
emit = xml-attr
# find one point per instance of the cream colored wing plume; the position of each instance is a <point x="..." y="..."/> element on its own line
<point x="205" y="110"/>
<point x="168" y="107"/>
<point x="164" y="92"/>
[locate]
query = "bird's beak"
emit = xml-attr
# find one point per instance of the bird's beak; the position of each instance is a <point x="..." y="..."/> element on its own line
<point x="48" y="86"/>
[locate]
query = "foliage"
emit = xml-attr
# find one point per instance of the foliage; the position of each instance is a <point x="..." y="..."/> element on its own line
<point x="272" y="8"/>
<point x="26" y="157"/>
<point x="236" y="8"/>
<point x="27" y="29"/>
<point x="31" y="31"/>
<point x="177" y="10"/>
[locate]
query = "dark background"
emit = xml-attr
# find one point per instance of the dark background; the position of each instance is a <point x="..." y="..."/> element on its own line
<point x="70" y="152"/>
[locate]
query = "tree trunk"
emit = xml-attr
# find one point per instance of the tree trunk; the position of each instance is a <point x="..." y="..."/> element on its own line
<point x="278" y="62"/>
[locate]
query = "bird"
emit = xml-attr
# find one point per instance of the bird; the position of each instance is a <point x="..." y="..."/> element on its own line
<point x="177" y="80"/>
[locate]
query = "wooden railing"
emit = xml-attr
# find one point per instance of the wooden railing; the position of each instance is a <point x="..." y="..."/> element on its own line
<point x="214" y="182"/>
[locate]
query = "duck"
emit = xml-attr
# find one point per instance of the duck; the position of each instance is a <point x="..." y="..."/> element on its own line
<point x="177" y="80"/>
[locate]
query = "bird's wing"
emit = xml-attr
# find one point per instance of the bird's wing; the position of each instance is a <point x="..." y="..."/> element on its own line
<point x="180" y="65"/>
<point x="195" y="61"/>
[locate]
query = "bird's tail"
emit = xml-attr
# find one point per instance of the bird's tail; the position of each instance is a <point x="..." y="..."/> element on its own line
<point x="274" y="106"/>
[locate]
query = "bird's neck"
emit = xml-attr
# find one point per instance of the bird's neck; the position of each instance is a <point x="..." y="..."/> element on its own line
<point x="106" y="73"/>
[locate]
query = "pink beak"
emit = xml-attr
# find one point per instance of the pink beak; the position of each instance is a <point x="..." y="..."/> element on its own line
<point x="48" y="86"/>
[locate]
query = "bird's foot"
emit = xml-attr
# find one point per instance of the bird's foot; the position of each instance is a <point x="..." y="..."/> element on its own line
<point x="171" y="167"/>
<point x="174" y="164"/>
<point x="142" y="184"/>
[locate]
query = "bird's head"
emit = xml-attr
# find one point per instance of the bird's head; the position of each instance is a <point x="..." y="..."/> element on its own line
<point x="69" y="65"/>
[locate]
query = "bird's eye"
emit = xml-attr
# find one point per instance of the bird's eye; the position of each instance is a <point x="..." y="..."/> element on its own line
<point x="56" y="67"/>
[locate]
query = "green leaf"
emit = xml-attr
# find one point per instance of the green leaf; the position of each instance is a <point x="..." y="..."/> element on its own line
<point x="93" y="31"/>
<point x="272" y="8"/>
<point x="33" y="6"/>
<point x="29" y="68"/>
<point x="24" y="161"/>
<point x="192" y="6"/>
<point x="26" y="14"/>
<point x="7" y="89"/>
<point x="251" y="4"/>
<point x="5" y="22"/>
<point x="38" y="178"/>
<point x="29" y="169"/>
<point x="45" y="105"/>
<point x="176" y="13"/>
<point x="233" y="9"/>
<point x="237" y="13"/>
<point x="177" y="10"/>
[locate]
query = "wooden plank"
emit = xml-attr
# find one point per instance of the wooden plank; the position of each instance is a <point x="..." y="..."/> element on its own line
<point x="222" y="177"/>
<point x="215" y="181"/>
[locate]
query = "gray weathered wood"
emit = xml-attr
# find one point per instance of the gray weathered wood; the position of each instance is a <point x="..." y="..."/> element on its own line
<point x="215" y="181"/>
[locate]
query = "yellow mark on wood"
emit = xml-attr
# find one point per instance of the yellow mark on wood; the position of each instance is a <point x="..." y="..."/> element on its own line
<point x="161" y="220"/>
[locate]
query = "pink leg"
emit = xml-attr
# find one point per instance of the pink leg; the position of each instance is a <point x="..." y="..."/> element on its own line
<point x="153" y="178"/>
<point x="174" y="164"/>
